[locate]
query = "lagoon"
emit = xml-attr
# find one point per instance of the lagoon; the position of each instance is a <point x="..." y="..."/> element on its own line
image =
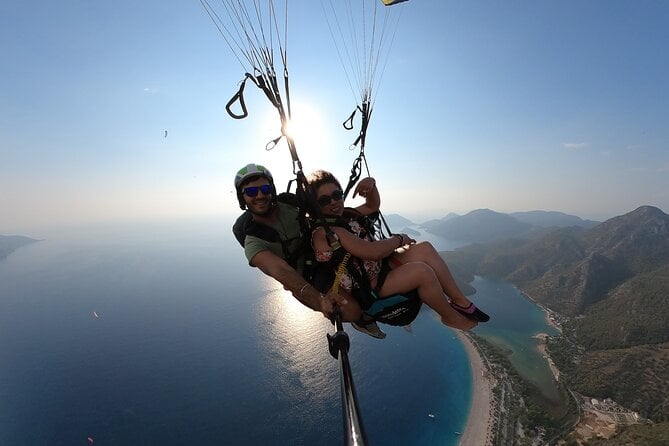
<point x="517" y="320"/>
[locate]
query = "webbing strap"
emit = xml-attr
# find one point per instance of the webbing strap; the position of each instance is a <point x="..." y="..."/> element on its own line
<point x="238" y="97"/>
<point x="340" y="272"/>
<point x="356" y="171"/>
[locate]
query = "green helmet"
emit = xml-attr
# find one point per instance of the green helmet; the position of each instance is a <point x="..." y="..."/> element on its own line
<point x="252" y="170"/>
<point x="246" y="174"/>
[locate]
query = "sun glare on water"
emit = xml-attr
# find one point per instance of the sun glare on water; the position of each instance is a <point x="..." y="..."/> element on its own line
<point x="286" y="313"/>
<point x="295" y="334"/>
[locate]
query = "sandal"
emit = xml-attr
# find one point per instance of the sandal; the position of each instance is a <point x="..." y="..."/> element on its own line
<point x="369" y="327"/>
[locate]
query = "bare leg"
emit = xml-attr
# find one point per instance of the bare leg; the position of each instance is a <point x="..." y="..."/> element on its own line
<point x="421" y="276"/>
<point x="425" y="252"/>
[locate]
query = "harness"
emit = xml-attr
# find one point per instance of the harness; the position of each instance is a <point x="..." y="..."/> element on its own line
<point x="397" y="309"/>
<point x="246" y="225"/>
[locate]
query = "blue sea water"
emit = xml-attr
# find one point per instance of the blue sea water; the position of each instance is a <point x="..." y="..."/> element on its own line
<point x="191" y="346"/>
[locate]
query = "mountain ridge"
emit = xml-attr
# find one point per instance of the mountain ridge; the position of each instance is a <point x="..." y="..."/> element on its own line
<point x="611" y="282"/>
<point x="483" y="225"/>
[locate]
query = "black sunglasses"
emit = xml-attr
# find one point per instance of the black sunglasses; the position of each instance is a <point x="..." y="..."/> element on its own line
<point x="324" y="200"/>
<point x="252" y="191"/>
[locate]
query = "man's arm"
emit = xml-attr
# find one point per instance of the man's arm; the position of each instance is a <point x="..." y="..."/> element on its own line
<point x="281" y="271"/>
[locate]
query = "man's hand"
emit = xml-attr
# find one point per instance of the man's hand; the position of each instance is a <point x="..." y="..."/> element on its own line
<point x="329" y="301"/>
<point x="348" y="306"/>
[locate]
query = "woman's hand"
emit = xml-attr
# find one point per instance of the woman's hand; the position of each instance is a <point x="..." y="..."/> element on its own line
<point x="367" y="188"/>
<point x="405" y="240"/>
<point x="364" y="187"/>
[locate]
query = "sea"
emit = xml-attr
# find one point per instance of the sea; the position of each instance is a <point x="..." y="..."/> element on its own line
<point x="161" y="334"/>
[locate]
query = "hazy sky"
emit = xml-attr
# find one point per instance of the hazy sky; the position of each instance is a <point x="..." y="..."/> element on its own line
<point x="511" y="106"/>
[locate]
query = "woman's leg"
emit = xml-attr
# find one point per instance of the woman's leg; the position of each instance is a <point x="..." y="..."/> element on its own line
<point x="421" y="276"/>
<point x="425" y="252"/>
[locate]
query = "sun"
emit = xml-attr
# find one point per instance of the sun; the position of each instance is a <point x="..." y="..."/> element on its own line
<point x="306" y="126"/>
<point x="313" y="132"/>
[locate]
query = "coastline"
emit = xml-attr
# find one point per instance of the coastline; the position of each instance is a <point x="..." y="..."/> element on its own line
<point x="541" y="347"/>
<point x="550" y="316"/>
<point x="477" y="429"/>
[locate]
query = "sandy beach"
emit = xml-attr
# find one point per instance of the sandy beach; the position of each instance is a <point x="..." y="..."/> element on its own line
<point x="479" y="418"/>
<point x="541" y="346"/>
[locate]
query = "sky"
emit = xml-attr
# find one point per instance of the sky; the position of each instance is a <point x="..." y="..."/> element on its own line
<point x="510" y="106"/>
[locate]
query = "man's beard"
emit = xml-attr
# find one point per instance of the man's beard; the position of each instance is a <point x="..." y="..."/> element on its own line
<point x="269" y="210"/>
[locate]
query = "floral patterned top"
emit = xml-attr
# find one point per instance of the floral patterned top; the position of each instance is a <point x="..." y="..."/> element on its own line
<point x="372" y="267"/>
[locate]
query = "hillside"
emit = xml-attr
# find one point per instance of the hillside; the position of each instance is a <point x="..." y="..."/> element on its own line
<point x="551" y="219"/>
<point x="636" y="435"/>
<point x="638" y="308"/>
<point x="570" y="269"/>
<point x="639" y="240"/>
<point x="397" y="221"/>
<point x="484" y="225"/>
<point x="637" y="376"/>
<point x="436" y="222"/>
<point x="612" y="282"/>
<point x="479" y="225"/>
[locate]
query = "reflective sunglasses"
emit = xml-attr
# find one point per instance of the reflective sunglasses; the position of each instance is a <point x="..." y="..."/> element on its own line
<point x="324" y="200"/>
<point x="252" y="191"/>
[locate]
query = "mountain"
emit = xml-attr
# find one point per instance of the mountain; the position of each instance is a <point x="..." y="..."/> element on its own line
<point x="484" y="225"/>
<point x="636" y="376"/>
<point x="570" y="269"/>
<point x="397" y="221"/>
<point x="436" y="222"/>
<point x="480" y="225"/>
<point x="10" y="243"/>
<point x="639" y="240"/>
<point x="612" y="282"/>
<point x="548" y="219"/>
<point x="638" y="308"/>
<point x="410" y="232"/>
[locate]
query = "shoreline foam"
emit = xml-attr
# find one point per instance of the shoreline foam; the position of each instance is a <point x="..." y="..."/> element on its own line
<point x="478" y="427"/>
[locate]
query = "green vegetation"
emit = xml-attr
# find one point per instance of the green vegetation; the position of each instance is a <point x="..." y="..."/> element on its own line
<point x="637" y="378"/>
<point x="522" y="403"/>
<point x="637" y="435"/>
<point x="637" y="309"/>
<point x="611" y="283"/>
